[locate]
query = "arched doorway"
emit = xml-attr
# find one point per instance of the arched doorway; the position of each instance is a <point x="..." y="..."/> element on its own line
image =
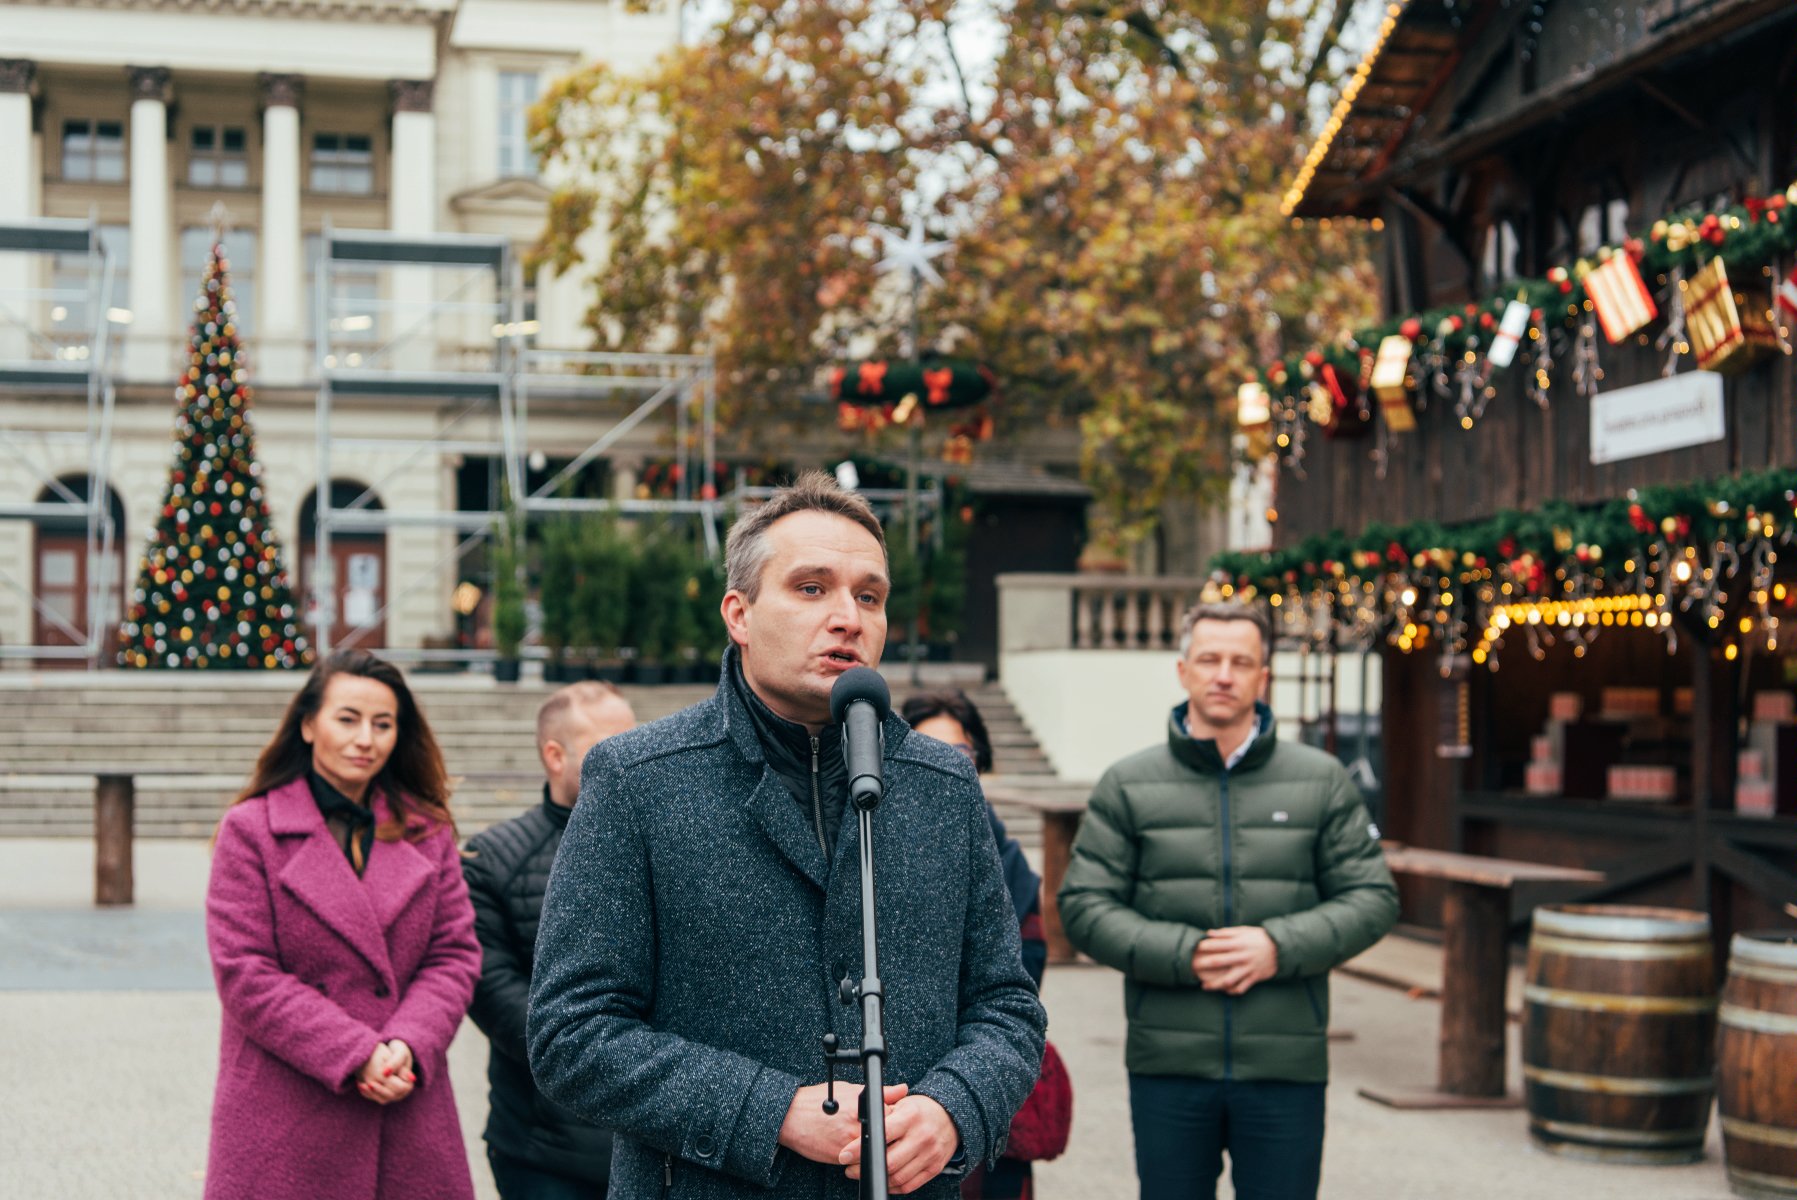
<point x="74" y="586"/>
<point x="359" y="568"/>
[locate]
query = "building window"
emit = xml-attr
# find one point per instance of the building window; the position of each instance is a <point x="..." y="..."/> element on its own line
<point x="217" y="157"/>
<point x="343" y="163"/>
<point x="93" y="151"/>
<point x="71" y="318"/>
<point x="354" y="310"/>
<point x="240" y="253"/>
<point x="1502" y="248"/>
<point x="517" y="92"/>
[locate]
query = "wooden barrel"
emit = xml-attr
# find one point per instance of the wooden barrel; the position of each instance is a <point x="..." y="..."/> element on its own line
<point x="1756" y="1076"/>
<point x="1619" y="1032"/>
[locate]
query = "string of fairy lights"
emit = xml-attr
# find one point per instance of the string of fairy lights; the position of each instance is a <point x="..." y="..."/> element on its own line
<point x="1667" y="560"/>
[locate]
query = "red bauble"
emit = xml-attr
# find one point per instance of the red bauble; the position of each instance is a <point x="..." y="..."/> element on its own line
<point x="1411" y="328"/>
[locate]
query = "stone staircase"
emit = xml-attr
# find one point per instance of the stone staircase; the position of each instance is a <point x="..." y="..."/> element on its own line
<point x="191" y="741"/>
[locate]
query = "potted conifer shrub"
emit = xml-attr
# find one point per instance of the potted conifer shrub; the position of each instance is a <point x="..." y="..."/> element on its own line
<point x="509" y="618"/>
<point x="602" y="597"/>
<point x="560" y="582"/>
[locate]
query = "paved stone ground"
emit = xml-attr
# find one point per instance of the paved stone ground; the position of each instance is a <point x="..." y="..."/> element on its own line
<point x="110" y="1031"/>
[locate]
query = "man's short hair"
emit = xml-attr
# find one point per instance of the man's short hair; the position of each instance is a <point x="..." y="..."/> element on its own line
<point x="746" y="551"/>
<point x="552" y="717"/>
<point x="1226" y="610"/>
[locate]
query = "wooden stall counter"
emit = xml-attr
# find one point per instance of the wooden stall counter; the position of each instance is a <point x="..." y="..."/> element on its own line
<point x="1475" y="963"/>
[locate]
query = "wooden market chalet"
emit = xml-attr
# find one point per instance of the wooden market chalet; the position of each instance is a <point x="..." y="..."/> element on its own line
<point x="1571" y="545"/>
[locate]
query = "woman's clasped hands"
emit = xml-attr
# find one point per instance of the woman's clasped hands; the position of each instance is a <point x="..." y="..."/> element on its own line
<point x="387" y="1076"/>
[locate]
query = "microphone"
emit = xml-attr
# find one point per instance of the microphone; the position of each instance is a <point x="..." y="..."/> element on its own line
<point x="859" y="702"/>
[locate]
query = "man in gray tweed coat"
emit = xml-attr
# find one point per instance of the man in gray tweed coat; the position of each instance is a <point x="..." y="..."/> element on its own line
<point x="705" y="907"/>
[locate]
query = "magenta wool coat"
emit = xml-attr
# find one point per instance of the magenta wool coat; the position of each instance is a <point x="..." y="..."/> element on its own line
<point x="314" y="968"/>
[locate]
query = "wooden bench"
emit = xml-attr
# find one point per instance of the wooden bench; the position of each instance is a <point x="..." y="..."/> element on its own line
<point x="115" y="804"/>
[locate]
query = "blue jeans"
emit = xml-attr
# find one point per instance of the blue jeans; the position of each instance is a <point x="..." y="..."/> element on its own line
<point x="519" y="1180"/>
<point x="1273" y="1132"/>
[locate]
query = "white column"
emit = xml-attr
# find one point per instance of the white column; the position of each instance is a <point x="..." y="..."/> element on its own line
<point x="18" y="202"/>
<point x="280" y="335"/>
<point x="412" y="209"/>
<point x="150" y="353"/>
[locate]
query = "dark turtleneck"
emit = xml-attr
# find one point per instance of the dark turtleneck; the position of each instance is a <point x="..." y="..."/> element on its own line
<point x="791" y="751"/>
<point x="351" y="825"/>
<point x="557" y="813"/>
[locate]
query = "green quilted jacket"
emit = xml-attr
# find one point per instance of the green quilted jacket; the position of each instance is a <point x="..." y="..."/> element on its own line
<point x="1173" y="844"/>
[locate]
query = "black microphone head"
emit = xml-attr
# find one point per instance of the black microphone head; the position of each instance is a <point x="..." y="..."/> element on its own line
<point x="859" y="683"/>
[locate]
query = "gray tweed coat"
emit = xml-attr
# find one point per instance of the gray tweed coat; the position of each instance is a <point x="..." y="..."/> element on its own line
<point x="693" y="937"/>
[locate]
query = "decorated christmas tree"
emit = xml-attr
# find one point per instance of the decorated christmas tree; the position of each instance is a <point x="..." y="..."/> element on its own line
<point x="211" y="590"/>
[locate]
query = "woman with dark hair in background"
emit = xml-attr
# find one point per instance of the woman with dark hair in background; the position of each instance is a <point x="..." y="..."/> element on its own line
<point x="949" y="716"/>
<point x="1040" y="1130"/>
<point x="343" y="945"/>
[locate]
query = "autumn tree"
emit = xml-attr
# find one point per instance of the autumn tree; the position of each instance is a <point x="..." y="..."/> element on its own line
<point x="1110" y="174"/>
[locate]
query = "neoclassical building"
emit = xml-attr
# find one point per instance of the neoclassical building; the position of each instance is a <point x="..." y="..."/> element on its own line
<point x="287" y="120"/>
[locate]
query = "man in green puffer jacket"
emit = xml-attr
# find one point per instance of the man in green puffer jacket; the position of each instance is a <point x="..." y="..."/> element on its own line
<point x="1225" y="874"/>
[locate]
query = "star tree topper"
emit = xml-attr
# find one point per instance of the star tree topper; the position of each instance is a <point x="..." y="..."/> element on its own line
<point x="910" y="251"/>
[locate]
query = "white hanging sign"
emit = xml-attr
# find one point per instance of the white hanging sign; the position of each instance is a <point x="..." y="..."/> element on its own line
<point x="1667" y="414"/>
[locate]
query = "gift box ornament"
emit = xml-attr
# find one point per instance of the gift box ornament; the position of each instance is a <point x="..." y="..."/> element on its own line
<point x="1391" y="372"/>
<point x="1786" y="296"/>
<point x="1758" y="323"/>
<point x="1720" y="338"/>
<point x="1319" y="405"/>
<point x="1509" y="335"/>
<point x="1333" y="403"/>
<point x="1253" y="407"/>
<point x="1619" y="296"/>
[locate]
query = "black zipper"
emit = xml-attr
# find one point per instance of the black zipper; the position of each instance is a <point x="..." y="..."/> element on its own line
<point x="1228" y="920"/>
<point x="667" y="1175"/>
<point x="817" y="803"/>
<point x="1310" y="993"/>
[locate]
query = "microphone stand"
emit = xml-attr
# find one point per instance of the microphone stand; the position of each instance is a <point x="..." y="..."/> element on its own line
<point x="872" y="1053"/>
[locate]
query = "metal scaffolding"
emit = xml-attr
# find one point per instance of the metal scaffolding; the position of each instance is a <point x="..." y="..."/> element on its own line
<point x="499" y="389"/>
<point x="72" y="363"/>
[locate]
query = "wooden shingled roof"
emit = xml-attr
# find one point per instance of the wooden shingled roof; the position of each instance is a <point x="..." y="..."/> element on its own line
<point x="1379" y="128"/>
<point x="1415" y="53"/>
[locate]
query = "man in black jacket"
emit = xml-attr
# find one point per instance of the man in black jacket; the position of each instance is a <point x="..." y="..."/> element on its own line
<point x="538" y="1150"/>
<point x="705" y="912"/>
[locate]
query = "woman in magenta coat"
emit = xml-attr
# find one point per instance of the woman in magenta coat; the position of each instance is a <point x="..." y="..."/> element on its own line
<point x="343" y="944"/>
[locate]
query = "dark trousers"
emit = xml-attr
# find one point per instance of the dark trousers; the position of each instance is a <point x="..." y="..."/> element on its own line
<point x="518" y="1180"/>
<point x="1272" y="1131"/>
